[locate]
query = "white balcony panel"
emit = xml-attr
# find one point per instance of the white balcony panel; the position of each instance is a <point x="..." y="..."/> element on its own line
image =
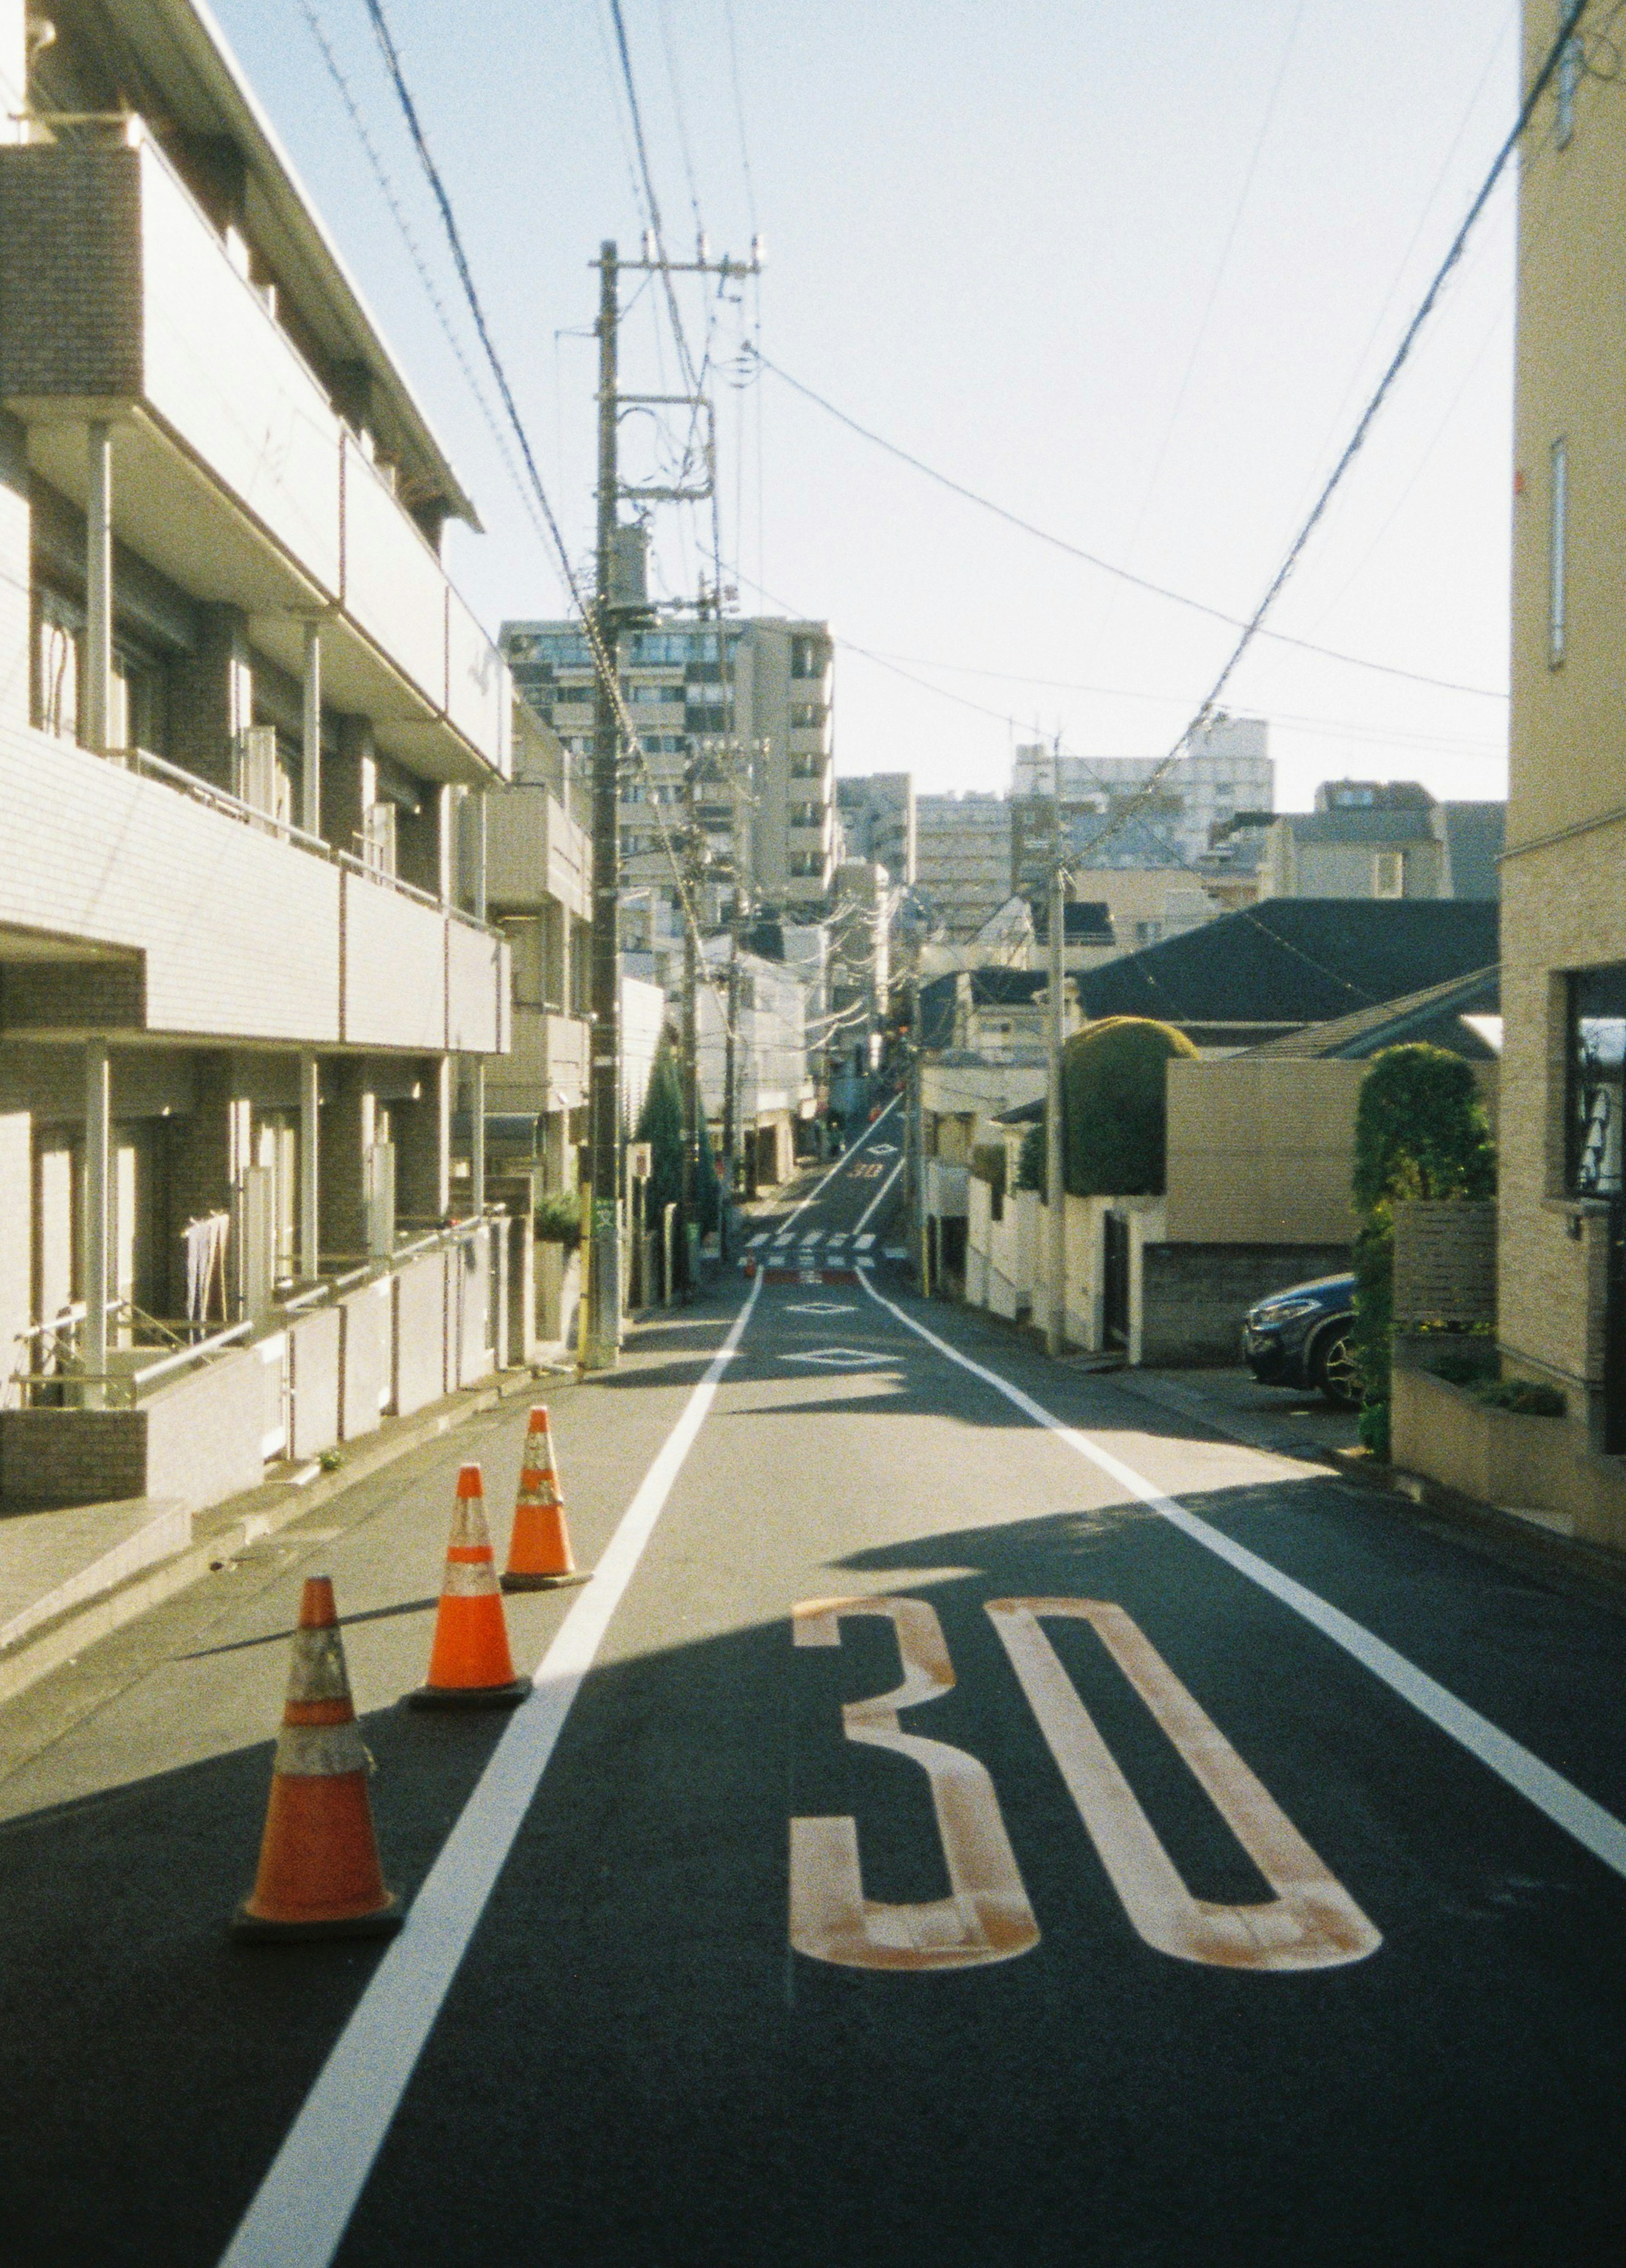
<point x="534" y="850"/>
<point x="394" y="968"/>
<point x="394" y="586"/>
<point x="224" y="375"/>
<point x="479" y="689"/>
<point x="478" y="983"/>
<point x="238" y="930"/>
<point x="546" y="1068"/>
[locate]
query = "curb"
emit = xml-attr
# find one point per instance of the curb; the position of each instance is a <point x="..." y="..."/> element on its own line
<point x="229" y="1528"/>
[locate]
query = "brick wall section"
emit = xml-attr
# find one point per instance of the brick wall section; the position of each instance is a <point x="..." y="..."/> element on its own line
<point x="70" y="272"/>
<point x="50" y="1457"/>
<point x="1195" y="1296"/>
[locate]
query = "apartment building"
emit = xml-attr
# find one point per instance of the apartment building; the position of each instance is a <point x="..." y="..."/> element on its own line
<point x="1383" y="839"/>
<point x="962" y="860"/>
<point x="1130" y="812"/>
<point x="247" y="728"/>
<point x="736" y="714"/>
<point x="1562" y="1288"/>
<point x="538" y="892"/>
<point x="878" y="818"/>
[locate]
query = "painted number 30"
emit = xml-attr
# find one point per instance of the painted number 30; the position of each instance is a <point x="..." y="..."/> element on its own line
<point x="1310" y="1922"/>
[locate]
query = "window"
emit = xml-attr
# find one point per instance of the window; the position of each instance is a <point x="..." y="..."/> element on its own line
<point x="1558" y="552"/>
<point x="809" y="657"/>
<point x="806" y="714"/>
<point x="1572" y="65"/>
<point x="1596" y="1049"/>
<point x="1388" y="874"/>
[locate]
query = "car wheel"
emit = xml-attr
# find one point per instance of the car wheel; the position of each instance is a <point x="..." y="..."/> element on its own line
<point x="1335" y="1367"/>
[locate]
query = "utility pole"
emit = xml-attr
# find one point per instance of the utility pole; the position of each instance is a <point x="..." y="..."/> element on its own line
<point x="601" y="1340"/>
<point x="694" y="844"/>
<point x="1056" y="1335"/>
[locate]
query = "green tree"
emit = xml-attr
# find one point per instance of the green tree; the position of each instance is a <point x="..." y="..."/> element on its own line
<point x="1420" y="1131"/>
<point x="660" y="1124"/>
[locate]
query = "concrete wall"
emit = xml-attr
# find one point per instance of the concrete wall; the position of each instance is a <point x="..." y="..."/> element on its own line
<point x="420" y="1338"/>
<point x="315" y="1360"/>
<point x="367" y="1376"/>
<point x="1261" y="1151"/>
<point x="16" y="1213"/>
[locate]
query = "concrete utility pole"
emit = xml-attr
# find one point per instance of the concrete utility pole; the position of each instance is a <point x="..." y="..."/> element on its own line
<point x="601" y="1338"/>
<point x="1055" y="1333"/>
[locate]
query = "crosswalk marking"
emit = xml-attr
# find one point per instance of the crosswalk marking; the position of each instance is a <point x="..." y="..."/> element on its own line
<point x="760" y="1238"/>
<point x="810" y="1236"/>
<point x="864" y="1242"/>
<point x="838" y="1236"/>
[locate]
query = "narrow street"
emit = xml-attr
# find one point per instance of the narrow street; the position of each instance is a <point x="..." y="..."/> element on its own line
<point x="1329" y="1976"/>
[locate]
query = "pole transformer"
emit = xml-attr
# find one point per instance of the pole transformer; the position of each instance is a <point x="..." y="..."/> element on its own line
<point x="601" y="1343"/>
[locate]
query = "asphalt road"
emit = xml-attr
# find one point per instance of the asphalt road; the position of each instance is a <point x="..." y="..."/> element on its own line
<point x="1197" y="1931"/>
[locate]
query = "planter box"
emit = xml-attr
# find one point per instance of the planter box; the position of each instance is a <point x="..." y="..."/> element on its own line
<point x="1499" y="1456"/>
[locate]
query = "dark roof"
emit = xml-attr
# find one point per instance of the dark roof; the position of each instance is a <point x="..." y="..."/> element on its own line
<point x="1474" y="832"/>
<point x="1358" y="824"/>
<point x="1290" y="962"/>
<point x="1433" y="1016"/>
<point x="1026" y="1113"/>
<point x="990" y="988"/>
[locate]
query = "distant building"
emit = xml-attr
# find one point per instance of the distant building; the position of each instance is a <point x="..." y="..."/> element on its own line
<point x="877" y="819"/>
<point x="1384" y="839"/>
<point x="749" y="703"/>
<point x="962" y="860"/>
<point x="1132" y="810"/>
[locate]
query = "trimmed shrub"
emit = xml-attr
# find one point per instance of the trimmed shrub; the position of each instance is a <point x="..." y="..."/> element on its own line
<point x="1420" y="1131"/>
<point x="1522" y="1395"/>
<point x="559" y="1219"/>
<point x="1115" y="1107"/>
<point x="988" y="1164"/>
<point x="1030" y="1165"/>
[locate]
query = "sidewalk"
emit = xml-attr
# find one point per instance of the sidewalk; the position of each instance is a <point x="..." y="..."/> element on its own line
<point x="70" y="1577"/>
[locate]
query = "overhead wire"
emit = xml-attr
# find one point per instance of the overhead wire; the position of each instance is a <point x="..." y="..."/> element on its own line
<point x="1108" y="566"/>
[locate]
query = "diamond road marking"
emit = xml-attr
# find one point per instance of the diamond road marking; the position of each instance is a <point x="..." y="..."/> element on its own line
<point x="842" y="1357"/>
<point x="883" y="1149"/>
<point x="812" y="1308"/>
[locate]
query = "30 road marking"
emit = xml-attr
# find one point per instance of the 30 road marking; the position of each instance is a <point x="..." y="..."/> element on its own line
<point x="986" y="1916"/>
<point x="1311" y="1922"/>
<point x="300" y="2212"/>
<point x="868" y="1172"/>
<point x="1595" y="1829"/>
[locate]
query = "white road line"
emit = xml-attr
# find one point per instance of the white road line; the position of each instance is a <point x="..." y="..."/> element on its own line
<point x="879" y="1194"/>
<point x="1594" y="1827"/>
<point x="840" y="1162"/>
<point x="299" y="2214"/>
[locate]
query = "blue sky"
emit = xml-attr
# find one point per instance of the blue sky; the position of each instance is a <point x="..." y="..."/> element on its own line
<point x="1130" y="272"/>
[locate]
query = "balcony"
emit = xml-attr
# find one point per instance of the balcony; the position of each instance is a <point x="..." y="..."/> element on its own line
<point x="535" y="851"/>
<point x="134" y="898"/>
<point x="547" y="1068"/>
<point x="232" y="471"/>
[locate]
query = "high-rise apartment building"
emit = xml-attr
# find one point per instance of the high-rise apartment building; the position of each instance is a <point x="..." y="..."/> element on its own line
<point x="962" y="860"/>
<point x="877" y="816"/>
<point x="245" y="721"/>
<point x="741" y="710"/>
<point x="1124" y="811"/>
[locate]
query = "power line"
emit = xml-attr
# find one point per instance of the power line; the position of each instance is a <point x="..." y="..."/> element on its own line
<point x="1093" y="559"/>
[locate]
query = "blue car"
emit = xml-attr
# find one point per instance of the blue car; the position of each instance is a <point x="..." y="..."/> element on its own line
<point x="1305" y="1336"/>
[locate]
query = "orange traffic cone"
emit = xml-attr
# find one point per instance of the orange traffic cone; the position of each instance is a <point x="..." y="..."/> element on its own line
<point x="318" y="1863"/>
<point x="469" y="1664"/>
<point x="539" y="1550"/>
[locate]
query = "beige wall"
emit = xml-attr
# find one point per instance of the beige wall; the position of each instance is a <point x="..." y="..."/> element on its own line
<point x="1563" y="908"/>
<point x="1260" y="1151"/>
